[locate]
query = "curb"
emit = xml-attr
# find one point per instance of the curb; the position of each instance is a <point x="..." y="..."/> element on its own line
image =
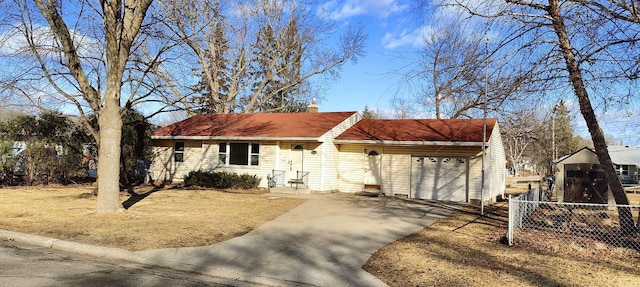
<point x="113" y="253"/>
<point x="74" y="247"/>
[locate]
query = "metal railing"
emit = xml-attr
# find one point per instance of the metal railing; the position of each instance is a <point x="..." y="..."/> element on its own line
<point x="532" y="221"/>
<point x="277" y="178"/>
<point x="301" y="179"/>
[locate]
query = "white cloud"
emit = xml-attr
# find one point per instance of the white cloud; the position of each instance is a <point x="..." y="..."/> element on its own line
<point x="412" y="38"/>
<point x="339" y="10"/>
<point x="14" y="42"/>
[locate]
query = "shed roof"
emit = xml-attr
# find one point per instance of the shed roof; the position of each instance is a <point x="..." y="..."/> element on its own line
<point x="254" y="126"/>
<point x="418" y="130"/>
<point x="620" y="155"/>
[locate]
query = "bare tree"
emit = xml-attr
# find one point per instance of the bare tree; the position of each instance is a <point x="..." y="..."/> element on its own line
<point x="521" y="130"/>
<point x="590" y="44"/>
<point x="459" y="73"/>
<point x="77" y="54"/>
<point x="258" y="55"/>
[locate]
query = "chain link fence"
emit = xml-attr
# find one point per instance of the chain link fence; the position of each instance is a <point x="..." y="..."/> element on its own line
<point x="578" y="224"/>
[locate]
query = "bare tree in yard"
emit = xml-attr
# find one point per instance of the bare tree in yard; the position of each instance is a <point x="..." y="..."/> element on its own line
<point x="521" y="131"/>
<point x="255" y="55"/>
<point x="78" y="54"/>
<point x="456" y="75"/>
<point x="592" y="44"/>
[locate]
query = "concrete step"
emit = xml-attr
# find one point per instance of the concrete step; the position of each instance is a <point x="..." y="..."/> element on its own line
<point x="289" y="190"/>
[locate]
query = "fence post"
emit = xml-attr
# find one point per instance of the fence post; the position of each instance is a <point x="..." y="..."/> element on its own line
<point x="511" y="221"/>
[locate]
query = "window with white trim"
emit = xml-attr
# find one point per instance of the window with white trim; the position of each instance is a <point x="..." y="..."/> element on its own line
<point x="178" y="152"/>
<point x="222" y="154"/>
<point x="239" y="154"/>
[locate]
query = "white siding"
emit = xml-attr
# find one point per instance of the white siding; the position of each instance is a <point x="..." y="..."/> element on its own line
<point x="203" y="155"/>
<point x="475" y="176"/>
<point x="162" y="164"/>
<point x="497" y="182"/>
<point x="164" y="167"/>
<point x="396" y="172"/>
<point x="350" y="168"/>
<point x="328" y="168"/>
<point x="312" y="165"/>
<point x="329" y="176"/>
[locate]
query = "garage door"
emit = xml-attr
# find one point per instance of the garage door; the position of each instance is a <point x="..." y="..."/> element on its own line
<point x="439" y="178"/>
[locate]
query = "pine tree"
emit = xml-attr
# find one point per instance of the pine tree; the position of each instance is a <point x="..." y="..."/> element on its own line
<point x="214" y="85"/>
<point x="565" y="142"/>
<point x="369" y="114"/>
<point x="276" y="69"/>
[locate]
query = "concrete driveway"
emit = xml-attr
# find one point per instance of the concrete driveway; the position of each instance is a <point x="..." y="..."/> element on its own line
<point x="322" y="242"/>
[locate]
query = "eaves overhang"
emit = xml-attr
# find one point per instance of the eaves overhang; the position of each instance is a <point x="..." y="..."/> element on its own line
<point x="235" y="138"/>
<point x="409" y="143"/>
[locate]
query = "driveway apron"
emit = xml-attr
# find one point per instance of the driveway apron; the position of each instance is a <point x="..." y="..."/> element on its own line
<point x="322" y="242"/>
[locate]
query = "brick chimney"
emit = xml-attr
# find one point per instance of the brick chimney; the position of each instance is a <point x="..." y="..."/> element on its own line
<point x="313" y="107"/>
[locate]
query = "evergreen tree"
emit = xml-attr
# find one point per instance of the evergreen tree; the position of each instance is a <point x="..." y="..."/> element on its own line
<point x="276" y="69"/>
<point x="136" y="148"/>
<point x="369" y="114"/>
<point x="214" y="85"/>
<point x="51" y="149"/>
<point x="565" y="142"/>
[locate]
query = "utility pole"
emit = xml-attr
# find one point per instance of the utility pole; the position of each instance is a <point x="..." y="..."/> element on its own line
<point x="554" y="154"/>
<point x="484" y="125"/>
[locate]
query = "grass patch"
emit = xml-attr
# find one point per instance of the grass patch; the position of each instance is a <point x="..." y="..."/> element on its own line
<point x="465" y="249"/>
<point x="160" y="219"/>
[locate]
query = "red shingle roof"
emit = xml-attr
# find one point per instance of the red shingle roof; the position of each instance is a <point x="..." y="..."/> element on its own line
<point x="450" y="130"/>
<point x="276" y="125"/>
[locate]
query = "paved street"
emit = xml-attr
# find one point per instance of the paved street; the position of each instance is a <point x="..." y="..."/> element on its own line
<point x="24" y="265"/>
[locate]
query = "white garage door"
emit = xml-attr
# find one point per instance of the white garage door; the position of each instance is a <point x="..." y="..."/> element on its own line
<point x="439" y="178"/>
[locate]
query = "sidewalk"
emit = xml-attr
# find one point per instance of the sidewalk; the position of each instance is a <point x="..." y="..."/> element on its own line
<point x="322" y="242"/>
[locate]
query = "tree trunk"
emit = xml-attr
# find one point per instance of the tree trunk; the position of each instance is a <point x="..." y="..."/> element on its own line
<point x="110" y="124"/>
<point x="586" y="109"/>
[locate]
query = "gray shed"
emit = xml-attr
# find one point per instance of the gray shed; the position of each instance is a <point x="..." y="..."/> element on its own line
<point x="580" y="178"/>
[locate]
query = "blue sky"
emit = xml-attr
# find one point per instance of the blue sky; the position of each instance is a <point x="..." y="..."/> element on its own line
<point x="392" y="30"/>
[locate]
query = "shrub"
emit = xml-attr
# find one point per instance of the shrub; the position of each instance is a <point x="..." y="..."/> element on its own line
<point x="221" y="179"/>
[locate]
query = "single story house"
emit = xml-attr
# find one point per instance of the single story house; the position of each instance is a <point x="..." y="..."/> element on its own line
<point x="580" y="178"/>
<point x="626" y="160"/>
<point x="339" y="151"/>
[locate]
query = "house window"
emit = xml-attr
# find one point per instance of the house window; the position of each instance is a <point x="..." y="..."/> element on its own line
<point x="222" y="153"/>
<point x="178" y="152"/>
<point x="239" y="153"/>
<point x="623" y="170"/>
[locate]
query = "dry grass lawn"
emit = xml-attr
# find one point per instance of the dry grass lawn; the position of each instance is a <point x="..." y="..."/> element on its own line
<point x="162" y="219"/>
<point x="465" y="249"/>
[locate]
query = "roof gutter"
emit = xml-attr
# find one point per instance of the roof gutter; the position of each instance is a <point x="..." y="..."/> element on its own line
<point x="238" y="138"/>
<point x="408" y="143"/>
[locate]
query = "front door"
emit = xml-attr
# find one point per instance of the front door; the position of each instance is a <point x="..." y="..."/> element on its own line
<point x="372" y="169"/>
<point x="296" y="161"/>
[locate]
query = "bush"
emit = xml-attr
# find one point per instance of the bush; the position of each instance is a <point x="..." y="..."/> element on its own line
<point x="221" y="179"/>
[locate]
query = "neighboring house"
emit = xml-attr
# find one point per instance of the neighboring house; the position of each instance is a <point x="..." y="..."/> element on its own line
<point x="580" y="178"/>
<point x="626" y="160"/>
<point x="336" y="151"/>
